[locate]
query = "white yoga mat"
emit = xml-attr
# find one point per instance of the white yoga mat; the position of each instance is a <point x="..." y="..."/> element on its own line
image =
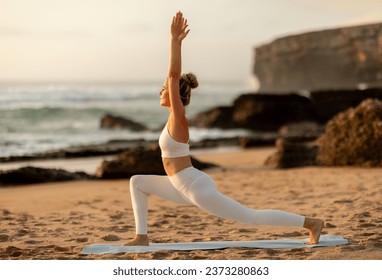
<point x="325" y="240"/>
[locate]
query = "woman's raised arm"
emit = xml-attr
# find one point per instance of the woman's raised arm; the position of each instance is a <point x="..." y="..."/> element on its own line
<point x="178" y="33"/>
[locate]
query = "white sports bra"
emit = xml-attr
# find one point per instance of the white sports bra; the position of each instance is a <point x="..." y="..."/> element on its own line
<point x="170" y="147"/>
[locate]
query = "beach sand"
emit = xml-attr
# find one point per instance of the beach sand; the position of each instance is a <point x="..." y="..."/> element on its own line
<point x="55" y="221"/>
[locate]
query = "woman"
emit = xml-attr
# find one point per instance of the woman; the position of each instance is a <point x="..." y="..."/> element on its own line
<point x="185" y="184"/>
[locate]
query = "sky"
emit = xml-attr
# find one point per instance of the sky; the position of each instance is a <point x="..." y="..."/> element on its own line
<point x="128" y="40"/>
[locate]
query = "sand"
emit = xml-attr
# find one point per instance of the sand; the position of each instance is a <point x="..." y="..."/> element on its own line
<point x="55" y="221"/>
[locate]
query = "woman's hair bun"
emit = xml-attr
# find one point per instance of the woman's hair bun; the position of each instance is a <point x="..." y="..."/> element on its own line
<point x="190" y="79"/>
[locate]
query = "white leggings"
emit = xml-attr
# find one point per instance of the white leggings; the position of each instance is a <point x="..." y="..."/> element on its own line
<point x="192" y="186"/>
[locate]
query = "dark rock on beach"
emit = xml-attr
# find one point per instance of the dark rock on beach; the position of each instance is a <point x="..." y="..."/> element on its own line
<point x="293" y="153"/>
<point x="141" y="160"/>
<point x="301" y="131"/>
<point x="267" y="112"/>
<point x="112" y="147"/>
<point x="331" y="102"/>
<point x="117" y="122"/>
<point x="353" y="137"/>
<point x="296" y="145"/>
<point x="258" y="112"/>
<point x="219" y="117"/>
<point x="35" y="175"/>
<point x="261" y="140"/>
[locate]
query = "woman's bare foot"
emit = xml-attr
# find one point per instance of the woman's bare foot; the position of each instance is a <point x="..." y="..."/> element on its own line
<point x="315" y="227"/>
<point x="139" y="240"/>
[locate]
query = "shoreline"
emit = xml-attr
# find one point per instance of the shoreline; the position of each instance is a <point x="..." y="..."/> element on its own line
<point x="90" y="164"/>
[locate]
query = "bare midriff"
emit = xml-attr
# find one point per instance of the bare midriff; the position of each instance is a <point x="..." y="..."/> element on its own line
<point x="174" y="165"/>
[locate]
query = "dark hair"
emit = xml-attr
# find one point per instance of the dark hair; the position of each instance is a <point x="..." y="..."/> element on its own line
<point x="186" y="83"/>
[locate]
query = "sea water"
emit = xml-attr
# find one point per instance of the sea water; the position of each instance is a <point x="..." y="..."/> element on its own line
<point x="39" y="117"/>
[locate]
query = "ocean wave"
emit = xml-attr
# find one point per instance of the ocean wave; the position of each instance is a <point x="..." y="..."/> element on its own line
<point x="39" y="117"/>
<point x="48" y="113"/>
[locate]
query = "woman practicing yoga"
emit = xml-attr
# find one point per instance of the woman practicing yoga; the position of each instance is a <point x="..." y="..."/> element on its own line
<point x="185" y="184"/>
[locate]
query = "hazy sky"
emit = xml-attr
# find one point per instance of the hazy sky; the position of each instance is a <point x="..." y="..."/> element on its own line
<point x="128" y="39"/>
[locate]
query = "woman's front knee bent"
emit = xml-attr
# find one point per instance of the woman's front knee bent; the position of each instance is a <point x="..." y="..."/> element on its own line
<point x="134" y="181"/>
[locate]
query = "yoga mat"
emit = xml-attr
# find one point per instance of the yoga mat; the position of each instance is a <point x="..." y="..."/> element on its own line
<point x="325" y="240"/>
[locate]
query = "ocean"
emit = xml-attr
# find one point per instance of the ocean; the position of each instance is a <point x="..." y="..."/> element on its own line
<point x="40" y="117"/>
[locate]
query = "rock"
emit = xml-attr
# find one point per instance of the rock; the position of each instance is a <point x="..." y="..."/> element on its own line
<point x="258" y="112"/>
<point x="267" y="112"/>
<point x="353" y="137"/>
<point x="118" y="122"/>
<point x="35" y="175"/>
<point x="213" y="143"/>
<point x="329" y="59"/>
<point x="258" y="140"/>
<point x="219" y="117"/>
<point x="301" y="131"/>
<point x="141" y="160"/>
<point x="331" y="102"/>
<point x="291" y="137"/>
<point x="293" y="154"/>
<point x="112" y="147"/>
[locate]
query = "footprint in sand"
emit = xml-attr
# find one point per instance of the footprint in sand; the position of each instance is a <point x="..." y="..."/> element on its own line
<point x="6" y="212"/>
<point x="111" y="237"/>
<point x="343" y="201"/>
<point x="198" y="257"/>
<point x="182" y="232"/>
<point x="7" y="216"/>
<point x="59" y="230"/>
<point x="82" y="239"/>
<point x="366" y="225"/>
<point x="249" y="253"/>
<point x="33" y="242"/>
<point x="197" y="240"/>
<point x="22" y="232"/>
<point x="13" y="251"/>
<point x="159" y="255"/>
<point x="246" y="230"/>
<point x="4" y="237"/>
<point x="40" y="224"/>
<point x="61" y="249"/>
<point x="116" y="216"/>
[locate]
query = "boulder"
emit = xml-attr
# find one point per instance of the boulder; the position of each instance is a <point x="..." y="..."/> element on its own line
<point x="140" y="160"/>
<point x="292" y="153"/>
<point x="116" y="122"/>
<point x="301" y="131"/>
<point x="328" y="103"/>
<point x="258" y="140"/>
<point x="258" y="112"/>
<point x="36" y="175"/>
<point x="219" y="117"/>
<point x="353" y="137"/>
<point x="267" y="112"/>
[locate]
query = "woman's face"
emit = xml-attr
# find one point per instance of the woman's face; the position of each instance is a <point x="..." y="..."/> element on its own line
<point x="164" y="96"/>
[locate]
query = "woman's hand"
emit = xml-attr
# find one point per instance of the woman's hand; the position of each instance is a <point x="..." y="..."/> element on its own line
<point x="178" y="27"/>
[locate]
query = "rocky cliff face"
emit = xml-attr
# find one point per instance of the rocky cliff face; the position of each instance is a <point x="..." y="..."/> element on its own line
<point x="330" y="59"/>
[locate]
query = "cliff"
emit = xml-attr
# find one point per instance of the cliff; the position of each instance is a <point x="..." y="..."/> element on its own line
<point x="340" y="58"/>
